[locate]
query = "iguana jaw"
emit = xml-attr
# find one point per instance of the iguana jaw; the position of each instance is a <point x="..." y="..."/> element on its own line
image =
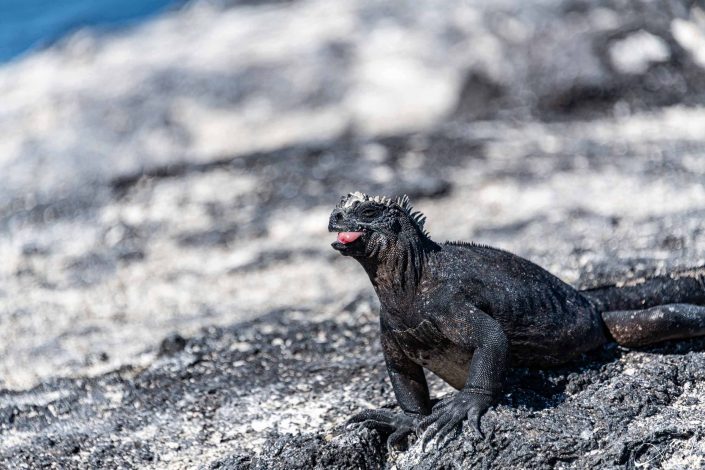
<point x="350" y="242"/>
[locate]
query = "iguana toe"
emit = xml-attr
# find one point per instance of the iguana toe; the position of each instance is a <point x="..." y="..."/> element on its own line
<point x="396" y="425"/>
<point x="448" y="414"/>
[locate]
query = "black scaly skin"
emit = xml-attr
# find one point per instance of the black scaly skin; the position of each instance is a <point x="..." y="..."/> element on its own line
<point x="466" y="312"/>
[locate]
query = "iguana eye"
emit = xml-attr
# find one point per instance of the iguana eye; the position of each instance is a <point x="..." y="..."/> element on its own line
<point x="369" y="212"/>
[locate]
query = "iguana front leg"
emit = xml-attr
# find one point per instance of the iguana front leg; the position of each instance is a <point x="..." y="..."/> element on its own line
<point x="410" y="388"/>
<point x="470" y="328"/>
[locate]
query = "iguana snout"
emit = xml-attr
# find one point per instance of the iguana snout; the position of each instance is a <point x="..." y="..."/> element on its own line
<point x="352" y="235"/>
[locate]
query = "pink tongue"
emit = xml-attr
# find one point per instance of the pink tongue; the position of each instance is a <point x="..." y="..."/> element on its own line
<point x="348" y="237"/>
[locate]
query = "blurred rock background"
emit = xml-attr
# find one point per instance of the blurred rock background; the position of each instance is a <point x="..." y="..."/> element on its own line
<point x="177" y="175"/>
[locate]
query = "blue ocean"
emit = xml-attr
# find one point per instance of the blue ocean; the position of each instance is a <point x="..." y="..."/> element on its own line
<point x="26" y="25"/>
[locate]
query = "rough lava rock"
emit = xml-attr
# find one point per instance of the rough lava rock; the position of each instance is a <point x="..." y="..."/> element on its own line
<point x="284" y="385"/>
<point x="168" y="295"/>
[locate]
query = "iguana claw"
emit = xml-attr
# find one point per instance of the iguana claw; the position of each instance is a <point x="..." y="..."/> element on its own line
<point x="448" y="414"/>
<point x="396" y="425"/>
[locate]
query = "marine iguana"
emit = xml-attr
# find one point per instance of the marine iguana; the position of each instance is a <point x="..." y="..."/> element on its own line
<point x="467" y="312"/>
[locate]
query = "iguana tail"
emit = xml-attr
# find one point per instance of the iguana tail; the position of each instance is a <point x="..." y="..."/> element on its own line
<point x="682" y="287"/>
<point x="651" y="310"/>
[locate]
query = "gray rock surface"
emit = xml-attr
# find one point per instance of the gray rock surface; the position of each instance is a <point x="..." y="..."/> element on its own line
<point x="168" y="296"/>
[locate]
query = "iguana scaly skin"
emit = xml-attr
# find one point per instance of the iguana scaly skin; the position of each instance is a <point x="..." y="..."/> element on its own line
<point x="466" y="312"/>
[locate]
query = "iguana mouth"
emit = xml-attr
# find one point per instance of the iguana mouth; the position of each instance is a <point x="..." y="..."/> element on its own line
<point x="348" y="237"/>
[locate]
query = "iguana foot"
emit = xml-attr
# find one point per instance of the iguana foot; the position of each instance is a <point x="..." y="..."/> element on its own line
<point x="397" y="425"/>
<point x="449" y="413"/>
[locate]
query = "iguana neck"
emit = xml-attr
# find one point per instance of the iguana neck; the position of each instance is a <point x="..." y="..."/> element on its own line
<point x="395" y="270"/>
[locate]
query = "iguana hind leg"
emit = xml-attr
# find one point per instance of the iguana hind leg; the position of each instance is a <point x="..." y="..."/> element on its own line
<point x="648" y="326"/>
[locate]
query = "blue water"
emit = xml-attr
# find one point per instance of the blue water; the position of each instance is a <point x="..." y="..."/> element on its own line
<point x="29" y="24"/>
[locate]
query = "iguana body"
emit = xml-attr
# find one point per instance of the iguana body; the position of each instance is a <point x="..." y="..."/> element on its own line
<point x="466" y="312"/>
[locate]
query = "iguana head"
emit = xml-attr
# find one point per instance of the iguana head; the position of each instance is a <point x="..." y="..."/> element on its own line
<point x="369" y="226"/>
